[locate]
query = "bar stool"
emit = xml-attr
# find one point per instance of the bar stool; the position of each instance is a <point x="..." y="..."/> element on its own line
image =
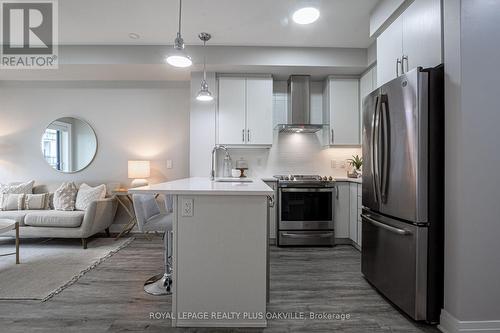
<point x="150" y="218"/>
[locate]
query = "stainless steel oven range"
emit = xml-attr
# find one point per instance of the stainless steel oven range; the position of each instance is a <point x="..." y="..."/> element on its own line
<point x="305" y="210"/>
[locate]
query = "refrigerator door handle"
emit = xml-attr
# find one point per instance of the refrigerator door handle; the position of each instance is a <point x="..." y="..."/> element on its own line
<point x="386" y="148"/>
<point x="374" y="151"/>
<point x="395" y="230"/>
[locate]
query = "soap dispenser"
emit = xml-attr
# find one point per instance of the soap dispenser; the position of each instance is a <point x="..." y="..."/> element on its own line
<point x="227" y="166"/>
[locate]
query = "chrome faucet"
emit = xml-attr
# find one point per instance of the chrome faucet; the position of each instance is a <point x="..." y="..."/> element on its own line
<point x="216" y="147"/>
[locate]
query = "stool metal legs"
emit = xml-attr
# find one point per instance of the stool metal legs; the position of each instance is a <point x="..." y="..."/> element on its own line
<point x="161" y="284"/>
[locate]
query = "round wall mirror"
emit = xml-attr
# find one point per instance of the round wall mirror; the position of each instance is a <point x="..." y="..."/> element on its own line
<point x="69" y="144"/>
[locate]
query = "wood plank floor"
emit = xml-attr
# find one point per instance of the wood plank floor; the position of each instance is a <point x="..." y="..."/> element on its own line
<point x="110" y="298"/>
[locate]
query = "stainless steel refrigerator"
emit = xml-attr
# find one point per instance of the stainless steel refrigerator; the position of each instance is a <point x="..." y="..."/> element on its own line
<point x="403" y="183"/>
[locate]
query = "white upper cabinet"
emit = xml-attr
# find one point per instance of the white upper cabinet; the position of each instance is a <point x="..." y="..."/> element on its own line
<point x="367" y="83"/>
<point x="413" y="39"/>
<point x="341" y="112"/>
<point x="389" y="52"/>
<point x="231" y="115"/>
<point x="244" y="114"/>
<point x="422" y="34"/>
<point x="259" y="111"/>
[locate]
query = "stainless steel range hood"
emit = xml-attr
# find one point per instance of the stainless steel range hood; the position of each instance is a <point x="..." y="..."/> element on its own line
<point x="299" y="107"/>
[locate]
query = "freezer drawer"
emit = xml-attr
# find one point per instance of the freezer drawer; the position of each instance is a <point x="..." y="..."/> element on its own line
<point x="394" y="261"/>
<point x="306" y="238"/>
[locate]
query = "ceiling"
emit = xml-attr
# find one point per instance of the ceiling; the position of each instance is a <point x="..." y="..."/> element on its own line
<point x="343" y="23"/>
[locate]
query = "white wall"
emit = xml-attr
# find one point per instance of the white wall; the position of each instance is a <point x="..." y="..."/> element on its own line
<point x="131" y="121"/>
<point x="384" y="13"/>
<point x="202" y="126"/>
<point x="472" y="221"/>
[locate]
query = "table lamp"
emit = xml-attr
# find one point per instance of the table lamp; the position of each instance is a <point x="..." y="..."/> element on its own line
<point x="138" y="171"/>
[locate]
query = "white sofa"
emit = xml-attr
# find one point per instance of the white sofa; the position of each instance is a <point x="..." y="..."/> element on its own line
<point x="63" y="224"/>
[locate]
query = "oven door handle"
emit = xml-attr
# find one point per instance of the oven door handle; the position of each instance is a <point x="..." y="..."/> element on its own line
<point x="300" y="189"/>
<point x="290" y="235"/>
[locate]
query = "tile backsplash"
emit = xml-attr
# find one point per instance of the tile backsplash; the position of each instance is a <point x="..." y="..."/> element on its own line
<point x="295" y="154"/>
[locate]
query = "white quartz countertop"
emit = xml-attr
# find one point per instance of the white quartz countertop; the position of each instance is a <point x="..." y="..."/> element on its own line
<point x="337" y="179"/>
<point x="347" y="179"/>
<point x="205" y="186"/>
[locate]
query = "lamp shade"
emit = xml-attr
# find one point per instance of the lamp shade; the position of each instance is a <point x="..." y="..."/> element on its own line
<point x="138" y="169"/>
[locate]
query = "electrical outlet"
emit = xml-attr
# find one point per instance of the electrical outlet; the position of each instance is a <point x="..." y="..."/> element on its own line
<point x="187" y="207"/>
<point x="169" y="164"/>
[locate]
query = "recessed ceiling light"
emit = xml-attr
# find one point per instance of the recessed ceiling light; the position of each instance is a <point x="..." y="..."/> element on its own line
<point x="133" y="35"/>
<point x="306" y="15"/>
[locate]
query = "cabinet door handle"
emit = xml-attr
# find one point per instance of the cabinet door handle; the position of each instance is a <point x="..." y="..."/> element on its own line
<point x="337" y="192"/>
<point x="332" y="136"/>
<point x="403" y="70"/>
<point x="398" y="64"/>
<point x="243" y="135"/>
<point x="248" y="135"/>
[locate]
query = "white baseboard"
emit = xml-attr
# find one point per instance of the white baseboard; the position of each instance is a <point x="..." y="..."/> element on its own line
<point x="450" y="324"/>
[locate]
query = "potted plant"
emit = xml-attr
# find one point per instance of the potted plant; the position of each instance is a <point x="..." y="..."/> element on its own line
<point x="356" y="162"/>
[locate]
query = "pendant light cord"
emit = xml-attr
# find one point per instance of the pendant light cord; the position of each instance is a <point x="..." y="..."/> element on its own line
<point x="180" y="17"/>
<point x="204" y="60"/>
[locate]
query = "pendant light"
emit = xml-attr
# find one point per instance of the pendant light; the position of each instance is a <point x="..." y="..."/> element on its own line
<point x="204" y="94"/>
<point x="178" y="57"/>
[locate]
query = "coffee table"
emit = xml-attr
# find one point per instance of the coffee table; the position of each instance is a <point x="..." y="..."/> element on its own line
<point x="8" y="225"/>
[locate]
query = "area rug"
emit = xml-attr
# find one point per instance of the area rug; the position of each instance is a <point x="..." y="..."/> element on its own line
<point x="50" y="265"/>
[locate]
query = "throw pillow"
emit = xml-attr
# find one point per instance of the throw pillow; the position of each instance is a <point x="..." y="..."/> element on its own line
<point x="87" y="194"/>
<point x="21" y="188"/>
<point x="36" y="201"/>
<point x="11" y="201"/>
<point x="64" y="197"/>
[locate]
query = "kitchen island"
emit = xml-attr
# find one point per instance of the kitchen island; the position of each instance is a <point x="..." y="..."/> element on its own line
<point x="219" y="251"/>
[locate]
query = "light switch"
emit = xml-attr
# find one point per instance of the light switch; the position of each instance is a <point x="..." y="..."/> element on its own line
<point x="187" y="206"/>
<point x="169" y="164"/>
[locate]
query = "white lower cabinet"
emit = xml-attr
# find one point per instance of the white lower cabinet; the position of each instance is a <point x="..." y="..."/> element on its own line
<point x="273" y="212"/>
<point x="341" y="215"/>
<point x="353" y="211"/>
<point x="347" y="213"/>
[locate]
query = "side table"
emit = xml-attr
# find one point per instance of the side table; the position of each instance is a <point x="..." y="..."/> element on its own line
<point x="125" y="200"/>
<point x="8" y="225"/>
